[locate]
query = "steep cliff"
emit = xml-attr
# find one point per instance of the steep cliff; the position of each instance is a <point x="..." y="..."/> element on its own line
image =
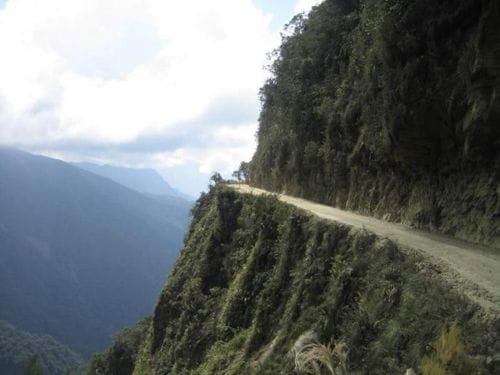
<point x="258" y="277"/>
<point x="390" y="108"/>
<point x="387" y="107"/>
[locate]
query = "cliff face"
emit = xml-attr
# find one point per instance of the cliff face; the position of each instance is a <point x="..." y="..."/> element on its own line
<point x="257" y="279"/>
<point x="390" y="108"/>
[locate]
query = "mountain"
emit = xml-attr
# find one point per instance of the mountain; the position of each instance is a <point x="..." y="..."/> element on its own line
<point x="80" y="255"/>
<point x="261" y="285"/>
<point x="385" y="107"/>
<point x="389" y="108"/>
<point x="17" y="347"/>
<point x="146" y="181"/>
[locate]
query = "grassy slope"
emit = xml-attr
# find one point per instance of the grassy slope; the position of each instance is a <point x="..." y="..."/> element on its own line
<point x="255" y="271"/>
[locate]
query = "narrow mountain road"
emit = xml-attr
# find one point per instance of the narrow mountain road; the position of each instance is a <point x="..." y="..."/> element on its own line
<point x="470" y="268"/>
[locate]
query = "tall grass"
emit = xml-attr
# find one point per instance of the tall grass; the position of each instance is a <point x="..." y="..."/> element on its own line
<point x="317" y="359"/>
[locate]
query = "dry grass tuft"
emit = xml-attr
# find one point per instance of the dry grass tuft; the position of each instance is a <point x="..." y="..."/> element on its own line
<point x="449" y="357"/>
<point x="314" y="358"/>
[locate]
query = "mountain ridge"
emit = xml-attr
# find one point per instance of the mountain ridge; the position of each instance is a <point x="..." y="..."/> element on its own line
<point x="143" y="180"/>
<point x="86" y="255"/>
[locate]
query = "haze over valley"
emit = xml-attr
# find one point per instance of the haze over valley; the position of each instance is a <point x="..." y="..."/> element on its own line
<point x="249" y="187"/>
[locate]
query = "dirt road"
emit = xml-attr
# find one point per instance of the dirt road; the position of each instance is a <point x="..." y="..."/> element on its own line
<point x="470" y="268"/>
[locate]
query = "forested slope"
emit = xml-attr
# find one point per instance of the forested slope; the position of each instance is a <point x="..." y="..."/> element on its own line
<point x="257" y="280"/>
<point x="390" y="108"/>
<point x="80" y="255"/>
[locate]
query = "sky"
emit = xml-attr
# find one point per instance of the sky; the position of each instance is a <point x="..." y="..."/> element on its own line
<point x="169" y="85"/>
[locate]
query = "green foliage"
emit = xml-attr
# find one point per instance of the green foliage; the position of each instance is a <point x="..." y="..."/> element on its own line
<point x="256" y="274"/>
<point x="120" y="358"/>
<point x="243" y="172"/>
<point x="367" y="106"/>
<point x="216" y="179"/>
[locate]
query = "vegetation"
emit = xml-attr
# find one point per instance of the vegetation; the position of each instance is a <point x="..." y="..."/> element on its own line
<point x="215" y="179"/>
<point x="388" y="107"/>
<point x="120" y="357"/>
<point x="25" y="353"/>
<point x="449" y="356"/>
<point x="255" y="275"/>
<point x="314" y="358"/>
<point x="243" y="172"/>
<point x="33" y="368"/>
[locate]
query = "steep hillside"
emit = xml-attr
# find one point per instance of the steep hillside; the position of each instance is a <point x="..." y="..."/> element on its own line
<point x="385" y="107"/>
<point x="80" y="256"/>
<point x="257" y="280"/>
<point x="17" y="347"/>
<point x="146" y="181"/>
<point x="390" y="108"/>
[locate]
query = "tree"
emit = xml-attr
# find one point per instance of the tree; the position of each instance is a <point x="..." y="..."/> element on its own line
<point x="243" y="172"/>
<point x="216" y="179"/>
<point x="33" y="368"/>
<point x="237" y="175"/>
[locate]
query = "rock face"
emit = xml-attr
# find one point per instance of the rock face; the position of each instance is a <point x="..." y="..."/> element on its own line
<point x="390" y="108"/>
<point x="259" y="282"/>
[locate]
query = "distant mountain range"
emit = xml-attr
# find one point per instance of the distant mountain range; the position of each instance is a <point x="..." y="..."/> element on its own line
<point x="146" y="181"/>
<point x="80" y="255"/>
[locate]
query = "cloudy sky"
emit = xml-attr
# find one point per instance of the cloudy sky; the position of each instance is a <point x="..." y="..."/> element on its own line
<point x="170" y="85"/>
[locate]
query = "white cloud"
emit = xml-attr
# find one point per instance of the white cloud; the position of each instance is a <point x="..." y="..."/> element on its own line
<point x="112" y="71"/>
<point x="306" y="5"/>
